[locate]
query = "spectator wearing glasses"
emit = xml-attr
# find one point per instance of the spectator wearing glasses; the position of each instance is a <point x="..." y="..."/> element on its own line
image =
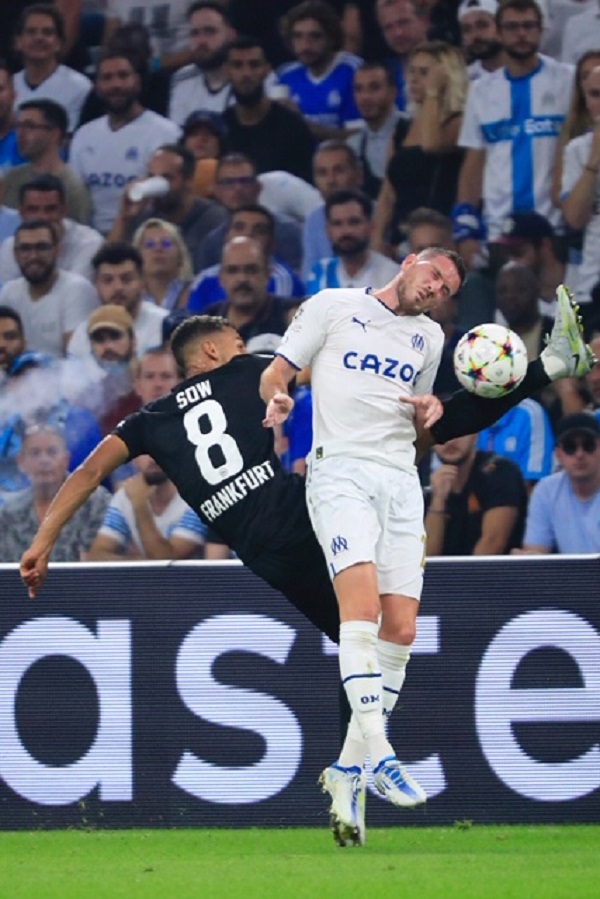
<point x="167" y="267"/>
<point x="41" y="130"/>
<point x="564" y="509"/>
<point x="50" y="301"/>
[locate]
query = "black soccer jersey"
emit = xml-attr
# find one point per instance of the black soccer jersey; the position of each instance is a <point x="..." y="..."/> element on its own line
<point x="208" y="437"/>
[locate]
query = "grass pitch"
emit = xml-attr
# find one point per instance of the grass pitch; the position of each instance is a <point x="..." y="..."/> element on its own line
<point x="520" y="862"/>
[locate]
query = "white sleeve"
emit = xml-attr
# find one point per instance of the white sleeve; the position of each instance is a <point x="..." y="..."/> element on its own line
<point x="81" y="300"/>
<point x="307" y="331"/>
<point x="426" y="378"/>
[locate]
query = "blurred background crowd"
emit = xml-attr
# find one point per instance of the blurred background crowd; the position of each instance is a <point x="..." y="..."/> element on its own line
<point x="160" y="159"/>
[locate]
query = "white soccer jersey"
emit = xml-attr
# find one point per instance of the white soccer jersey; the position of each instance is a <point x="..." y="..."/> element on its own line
<point x="363" y="358"/>
<point x="107" y="160"/>
<point x="65" y="86"/>
<point x="576" y="156"/>
<point x="190" y="92"/>
<point x="517" y="122"/>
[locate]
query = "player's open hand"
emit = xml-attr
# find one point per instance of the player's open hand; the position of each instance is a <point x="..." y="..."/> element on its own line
<point x="278" y="409"/>
<point x="428" y="409"/>
<point x="33" y="568"/>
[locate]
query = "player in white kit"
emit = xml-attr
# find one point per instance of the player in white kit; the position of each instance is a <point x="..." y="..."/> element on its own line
<point x="370" y="351"/>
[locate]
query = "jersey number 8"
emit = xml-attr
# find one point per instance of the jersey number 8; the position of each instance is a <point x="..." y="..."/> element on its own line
<point x="217" y="454"/>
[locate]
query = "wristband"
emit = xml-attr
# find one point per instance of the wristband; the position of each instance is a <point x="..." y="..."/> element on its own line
<point x="467" y="223"/>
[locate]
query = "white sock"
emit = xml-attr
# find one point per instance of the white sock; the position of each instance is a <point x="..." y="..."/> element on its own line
<point x="362" y="682"/>
<point x="393" y="659"/>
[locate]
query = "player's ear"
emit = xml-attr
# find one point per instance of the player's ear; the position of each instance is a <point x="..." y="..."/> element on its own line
<point x="408" y="261"/>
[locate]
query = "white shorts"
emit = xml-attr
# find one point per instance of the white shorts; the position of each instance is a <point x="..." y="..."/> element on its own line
<point x="367" y="512"/>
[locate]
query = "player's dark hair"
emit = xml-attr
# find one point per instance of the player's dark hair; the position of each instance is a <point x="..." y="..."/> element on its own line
<point x="193" y="329"/>
<point x="188" y="160"/>
<point x="7" y="312"/>
<point x="321" y="12"/>
<point x="43" y="9"/>
<point x="115" y="254"/>
<point x="349" y="195"/>
<point x="33" y="225"/>
<point x="45" y="184"/>
<point x="54" y="115"/>
<point x="454" y="258"/>
<point x="213" y="5"/>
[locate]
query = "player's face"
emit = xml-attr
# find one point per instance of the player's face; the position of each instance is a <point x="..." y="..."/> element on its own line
<point x="349" y="229"/>
<point x="244" y="274"/>
<point x="578" y="453"/>
<point x="39" y="40"/>
<point x="591" y="92"/>
<point x="479" y="35"/>
<point x="373" y="94"/>
<point x="247" y="72"/>
<point x="36" y="253"/>
<point x="423" y="283"/>
<point x="402" y="29"/>
<point x="7" y="96"/>
<point x="236" y="185"/>
<point x="592" y="379"/>
<point x="310" y="44"/>
<point x="209" y="35"/>
<point x="333" y="170"/>
<point x="11" y="342"/>
<point x="118" y="84"/>
<point x="456" y="451"/>
<point x="156" y="376"/>
<point x="44" y="459"/>
<point x="120" y="284"/>
<point x="160" y="253"/>
<point x="228" y="344"/>
<point x="520" y="33"/>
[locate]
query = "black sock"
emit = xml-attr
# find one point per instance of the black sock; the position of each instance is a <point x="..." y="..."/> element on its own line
<point x="466" y="413"/>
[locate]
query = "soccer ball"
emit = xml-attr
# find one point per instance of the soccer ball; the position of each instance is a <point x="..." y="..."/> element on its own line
<point x="490" y="360"/>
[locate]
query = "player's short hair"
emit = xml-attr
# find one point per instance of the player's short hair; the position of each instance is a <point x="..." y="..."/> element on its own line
<point x="46" y="183"/>
<point x="54" y="115"/>
<point x="43" y="9"/>
<point x="454" y="257"/>
<point x="321" y="12"/>
<point x="213" y="6"/>
<point x="349" y="195"/>
<point x="115" y="254"/>
<point x="192" y="330"/>
<point x="13" y="315"/>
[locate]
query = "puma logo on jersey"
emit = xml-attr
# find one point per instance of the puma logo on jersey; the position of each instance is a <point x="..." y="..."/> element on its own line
<point x="363" y="325"/>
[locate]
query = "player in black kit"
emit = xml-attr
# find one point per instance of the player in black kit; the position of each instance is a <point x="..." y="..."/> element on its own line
<point x="208" y="436"/>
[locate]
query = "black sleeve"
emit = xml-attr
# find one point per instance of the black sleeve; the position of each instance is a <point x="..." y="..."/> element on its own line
<point x="131" y="432"/>
<point x="467" y="413"/>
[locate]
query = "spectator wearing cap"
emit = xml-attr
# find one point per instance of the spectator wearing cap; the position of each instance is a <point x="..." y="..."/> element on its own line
<point x="564" y="508"/>
<point x="51" y="302"/>
<point x="119" y="281"/>
<point x="112" y="342"/>
<point x="479" y="37"/>
<point x="44" y="460"/>
<point x="528" y="239"/>
<point x="204" y="135"/>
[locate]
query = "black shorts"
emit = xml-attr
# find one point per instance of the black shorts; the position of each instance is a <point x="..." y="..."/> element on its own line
<point x="299" y="571"/>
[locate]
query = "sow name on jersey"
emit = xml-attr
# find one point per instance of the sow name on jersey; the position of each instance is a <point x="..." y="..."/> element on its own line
<point x="547" y="126"/>
<point x="386" y="366"/>
<point x="108" y="179"/>
<point x="195" y="393"/>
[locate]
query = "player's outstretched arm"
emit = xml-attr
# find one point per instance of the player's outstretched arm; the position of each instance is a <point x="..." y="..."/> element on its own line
<point x="107" y="456"/>
<point x="274" y="383"/>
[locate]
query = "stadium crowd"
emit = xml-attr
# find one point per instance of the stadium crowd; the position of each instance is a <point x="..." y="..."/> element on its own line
<point x="232" y="157"/>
